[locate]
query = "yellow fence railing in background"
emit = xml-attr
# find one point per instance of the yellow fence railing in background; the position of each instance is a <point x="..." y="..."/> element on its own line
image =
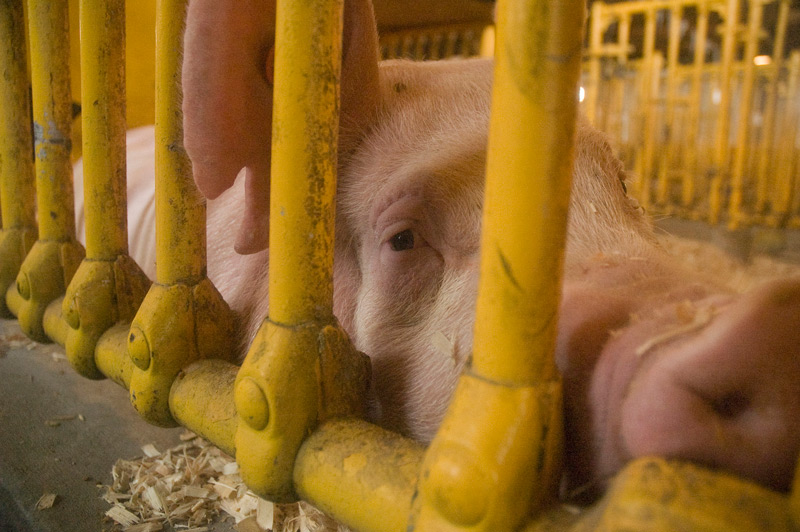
<point x="494" y="464"/>
<point x="703" y="105"/>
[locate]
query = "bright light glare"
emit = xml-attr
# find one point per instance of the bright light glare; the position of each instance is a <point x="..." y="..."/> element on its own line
<point x="762" y="60"/>
<point x="581" y="94"/>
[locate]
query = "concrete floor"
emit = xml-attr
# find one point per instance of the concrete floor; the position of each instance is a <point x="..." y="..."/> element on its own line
<point x="43" y="451"/>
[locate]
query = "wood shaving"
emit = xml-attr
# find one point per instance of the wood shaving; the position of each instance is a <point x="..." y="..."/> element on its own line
<point x="46" y="501"/>
<point x="193" y="485"/>
<point x="701" y="317"/>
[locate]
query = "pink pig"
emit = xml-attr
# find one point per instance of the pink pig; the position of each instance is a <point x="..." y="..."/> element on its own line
<point x="655" y="361"/>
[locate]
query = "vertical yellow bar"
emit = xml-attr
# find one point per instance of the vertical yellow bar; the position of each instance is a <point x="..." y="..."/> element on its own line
<point x="735" y="214"/>
<point x="721" y="144"/>
<point x="651" y="69"/>
<point x="300" y="355"/>
<point x="17" y="193"/>
<point x="103" y="90"/>
<point x="595" y="48"/>
<point x="108" y="286"/>
<point x="183" y="317"/>
<point x="672" y="140"/>
<point x="767" y="138"/>
<point x="527" y="187"/>
<point x="53" y="259"/>
<point x="52" y="116"/>
<point x="690" y="174"/>
<point x="496" y="456"/>
<point x="304" y="163"/>
<point x="180" y="217"/>
<point x="785" y="176"/>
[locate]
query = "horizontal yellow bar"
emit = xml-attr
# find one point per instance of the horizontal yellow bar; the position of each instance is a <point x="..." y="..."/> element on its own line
<point x="111" y="355"/>
<point x="201" y="399"/>
<point x="361" y="474"/>
<point x="54" y="325"/>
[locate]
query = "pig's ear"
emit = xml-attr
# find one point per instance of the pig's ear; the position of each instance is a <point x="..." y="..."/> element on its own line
<point x="360" y="91"/>
<point x="227" y="83"/>
<point x="227" y="92"/>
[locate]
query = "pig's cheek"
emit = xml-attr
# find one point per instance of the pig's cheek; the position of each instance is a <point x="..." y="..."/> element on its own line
<point x="406" y="274"/>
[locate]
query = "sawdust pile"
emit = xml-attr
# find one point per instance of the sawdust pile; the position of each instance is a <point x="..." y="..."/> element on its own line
<point x="193" y="485"/>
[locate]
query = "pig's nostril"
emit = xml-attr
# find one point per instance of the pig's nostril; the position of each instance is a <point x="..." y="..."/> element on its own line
<point x="731" y="405"/>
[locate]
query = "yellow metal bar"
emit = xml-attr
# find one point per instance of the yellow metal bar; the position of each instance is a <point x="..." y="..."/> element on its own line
<point x="767" y="140"/>
<point x="108" y="286"/>
<point x="651" y="71"/>
<point x="53" y="259"/>
<point x="180" y="226"/>
<point x="595" y="51"/>
<point x="301" y="254"/>
<point x="201" y="399"/>
<point x="690" y="174"/>
<point x="496" y="456"/>
<point x="361" y="474"/>
<point x="183" y="317"/>
<point x="651" y="494"/>
<point x="668" y="155"/>
<point x="785" y="176"/>
<point x="755" y="14"/>
<point x="17" y="192"/>
<point x="52" y="116"/>
<point x="111" y="355"/>
<point x="300" y="355"/>
<point x="103" y="84"/>
<point x="721" y="142"/>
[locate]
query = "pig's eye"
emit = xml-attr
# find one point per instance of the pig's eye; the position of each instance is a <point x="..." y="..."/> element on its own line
<point x="402" y="241"/>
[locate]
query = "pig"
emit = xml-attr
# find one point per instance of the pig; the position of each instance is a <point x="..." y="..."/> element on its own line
<point x="654" y="360"/>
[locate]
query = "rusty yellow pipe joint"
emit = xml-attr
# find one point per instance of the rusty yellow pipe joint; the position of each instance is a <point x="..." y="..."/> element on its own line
<point x="292" y="379"/>
<point x="14" y="246"/>
<point x="471" y="471"/>
<point x="175" y="325"/>
<point x="101" y="294"/>
<point x="43" y="276"/>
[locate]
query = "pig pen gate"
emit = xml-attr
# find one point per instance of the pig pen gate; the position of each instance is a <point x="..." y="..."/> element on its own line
<point x="710" y="128"/>
<point x="494" y="463"/>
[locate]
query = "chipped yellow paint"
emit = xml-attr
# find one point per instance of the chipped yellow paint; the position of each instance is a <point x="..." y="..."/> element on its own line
<point x="201" y="399"/>
<point x="364" y="475"/>
<point x="655" y="495"/>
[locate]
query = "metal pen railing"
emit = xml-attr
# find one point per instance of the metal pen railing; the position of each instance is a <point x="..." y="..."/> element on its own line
<point x="494" y="465"/>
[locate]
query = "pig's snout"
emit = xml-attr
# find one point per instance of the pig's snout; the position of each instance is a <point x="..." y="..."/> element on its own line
<point x="726" y="394"/>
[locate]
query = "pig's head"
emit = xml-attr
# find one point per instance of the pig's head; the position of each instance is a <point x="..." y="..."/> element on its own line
<point x="654" y="361"/>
